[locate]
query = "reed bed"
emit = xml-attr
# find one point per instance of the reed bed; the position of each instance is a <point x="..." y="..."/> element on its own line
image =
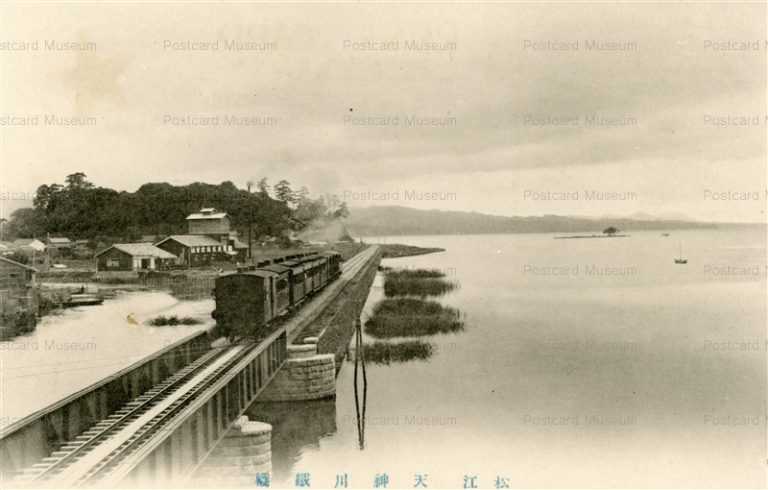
<point x="387" y="353"/>
<point x="416" y="282"/>
<point x="411" y="317"/>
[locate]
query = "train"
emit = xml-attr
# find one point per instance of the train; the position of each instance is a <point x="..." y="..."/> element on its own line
<point x="248" y="300"/>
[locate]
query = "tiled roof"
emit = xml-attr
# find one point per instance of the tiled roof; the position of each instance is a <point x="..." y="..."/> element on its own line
<point x="61" y="240"/>
<point x="207" y="213"/>
<point x="18" y="264"/>
<point x="29" y="242"/>
<point x="141" y="249"/>
<point x="193" y="240"/>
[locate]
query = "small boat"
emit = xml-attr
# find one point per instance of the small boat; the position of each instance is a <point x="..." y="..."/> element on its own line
<point x="83" y="299"/>
<point x="665" y="234"/>
<point x="680" y="259"/>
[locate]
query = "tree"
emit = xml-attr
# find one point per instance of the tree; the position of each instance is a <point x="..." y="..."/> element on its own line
<point x="301" y="195"/>
<point x="25" y="223"/>
<point x="77" y="180"/>
<point x="283" y="192"/>
<point x="263" y="186"/>
<point x="611" y="230"/>
<point x="342" y="211"/>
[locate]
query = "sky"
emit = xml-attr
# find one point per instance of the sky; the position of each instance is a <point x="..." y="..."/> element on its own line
<point x="588" y="109"/>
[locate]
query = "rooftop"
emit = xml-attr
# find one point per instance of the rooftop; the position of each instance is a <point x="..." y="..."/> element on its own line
<point x="192" y="240"/>
<point x="59" y="240"/>
<point x="207" y="213"/>
<point x="140" y="249"/>
<point x="17" y="264"/>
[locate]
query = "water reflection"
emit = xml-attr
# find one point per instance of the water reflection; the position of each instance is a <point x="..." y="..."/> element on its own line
<point x="360" y="361"/>
<point x="296" y="427"/>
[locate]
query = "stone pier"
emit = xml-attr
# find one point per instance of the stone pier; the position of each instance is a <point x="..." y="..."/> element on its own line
<point x="244" y="453"/>
<point x="306" y="375"/>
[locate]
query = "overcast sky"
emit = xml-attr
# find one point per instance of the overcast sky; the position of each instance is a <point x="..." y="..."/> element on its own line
<point x="496" y="112"/>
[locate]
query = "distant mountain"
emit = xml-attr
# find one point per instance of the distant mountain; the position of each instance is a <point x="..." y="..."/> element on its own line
<point x="648" y="217"/>
<point x="399" y="220"/>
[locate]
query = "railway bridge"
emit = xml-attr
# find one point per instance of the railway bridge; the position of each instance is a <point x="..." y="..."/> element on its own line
<point x="159" y="420"/>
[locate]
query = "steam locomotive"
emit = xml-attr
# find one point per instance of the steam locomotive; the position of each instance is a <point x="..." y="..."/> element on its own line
<point x="252" y="297"/>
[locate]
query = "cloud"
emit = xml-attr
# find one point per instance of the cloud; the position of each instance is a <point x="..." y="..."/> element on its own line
<point x="487" y="97"/>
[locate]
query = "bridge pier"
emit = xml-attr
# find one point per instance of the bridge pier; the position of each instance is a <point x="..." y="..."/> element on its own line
<point x="193" y="431"/>
<point x="306" y="375"/>
<point x="244" y="452"/>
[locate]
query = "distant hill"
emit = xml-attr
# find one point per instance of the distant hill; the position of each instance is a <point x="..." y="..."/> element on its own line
<point x="399" y="220"/>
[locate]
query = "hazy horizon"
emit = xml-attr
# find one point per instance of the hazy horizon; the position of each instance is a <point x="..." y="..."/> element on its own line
<point x="501" y="108"/>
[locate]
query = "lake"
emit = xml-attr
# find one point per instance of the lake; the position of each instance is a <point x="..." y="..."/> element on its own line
<point x="584" y="363"/>
<point x="76" y="347"/>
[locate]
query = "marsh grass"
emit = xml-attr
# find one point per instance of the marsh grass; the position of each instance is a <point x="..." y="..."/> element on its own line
<point x="416" y="282"/>
<point x="411" y="317"/>
<point x="387" y="353"/>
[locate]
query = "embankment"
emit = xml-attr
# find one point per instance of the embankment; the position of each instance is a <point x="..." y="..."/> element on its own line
<point x="336" y="325"/>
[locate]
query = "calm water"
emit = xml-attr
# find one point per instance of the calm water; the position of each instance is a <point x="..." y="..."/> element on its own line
<point x="80" y="346"/>
<point x="649" y="374"/>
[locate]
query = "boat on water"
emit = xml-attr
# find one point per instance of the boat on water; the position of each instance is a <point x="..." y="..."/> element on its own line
<point x="680" y="259"/>
<point x="83" y="299"/>
<point x="665" y="234"/>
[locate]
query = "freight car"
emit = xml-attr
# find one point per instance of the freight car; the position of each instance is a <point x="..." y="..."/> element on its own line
<point x="249" y="299"/>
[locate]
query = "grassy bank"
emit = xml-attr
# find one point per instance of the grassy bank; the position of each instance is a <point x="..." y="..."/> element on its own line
<point x="396" y="250"/>
<point x="410" y="317"/>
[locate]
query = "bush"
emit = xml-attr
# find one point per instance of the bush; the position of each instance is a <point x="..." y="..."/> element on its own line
<point x="161" y="321"/>
<point x="18" y="322"/>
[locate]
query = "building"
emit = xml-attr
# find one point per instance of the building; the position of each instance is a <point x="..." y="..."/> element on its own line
<point x="29" y="245"/>
<point x="134" y="257"/>
<point x="81" y="249"/>
<point x="194" y="250"/>
<point x="216" y="225"/>
<point x="60" y="246"/>
<point x="208" y="222"/>
<point x="240" y="249"/>
<point x="17" y="282"/>
<point x="34" y="250"/>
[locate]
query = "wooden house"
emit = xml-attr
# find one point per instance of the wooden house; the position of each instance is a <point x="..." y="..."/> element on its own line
<point x="134" y="257"/>
<point x="194" y="250"/>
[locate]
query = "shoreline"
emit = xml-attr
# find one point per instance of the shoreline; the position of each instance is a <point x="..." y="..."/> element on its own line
<point x="589" y="236"/>
<point x="399" y="250"/>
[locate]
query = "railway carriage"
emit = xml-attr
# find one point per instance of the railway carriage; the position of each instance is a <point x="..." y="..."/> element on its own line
<point x="298" y="281"/>
<point x="307" y="265"/>
<point x="282" y="287"/>
<point x="314" y="273"/>
<point x="248" y="300"/>
<point x="245" y="299"/>
<point x="333" y="264"/>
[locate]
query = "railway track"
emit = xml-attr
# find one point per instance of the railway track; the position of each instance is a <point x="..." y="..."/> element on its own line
<point x="92" y="457"/>
<point x="82" y="445"/>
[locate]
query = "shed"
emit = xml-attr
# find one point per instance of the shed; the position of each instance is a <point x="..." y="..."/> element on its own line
<point x="193" y="250"/>
<point x="134" y="257"/>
